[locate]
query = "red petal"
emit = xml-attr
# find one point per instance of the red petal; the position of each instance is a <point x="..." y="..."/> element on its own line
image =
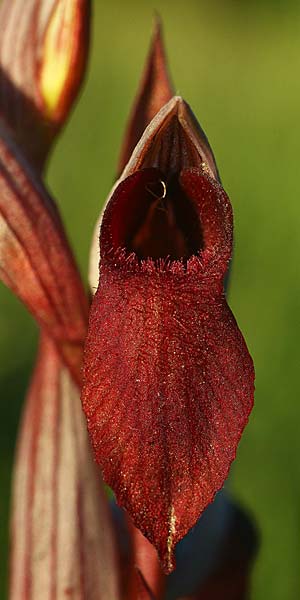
<point x="62" y="539"/>
<point x="154" y="91"/>
<point x="35" y="258"/>
<point x="168" y="378"/>
<point x="43" y="52"/>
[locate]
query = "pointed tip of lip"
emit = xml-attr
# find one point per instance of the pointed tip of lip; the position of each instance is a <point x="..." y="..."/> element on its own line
<point x="176" y="106"/>
<point x="179" y="101"/>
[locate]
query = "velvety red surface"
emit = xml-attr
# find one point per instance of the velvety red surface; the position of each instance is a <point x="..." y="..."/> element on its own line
<point x="168" y="378"/>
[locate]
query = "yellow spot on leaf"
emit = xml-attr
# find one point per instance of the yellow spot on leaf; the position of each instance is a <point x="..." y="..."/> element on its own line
<point x="172" y="531"/>
<point x="57" y="54"/>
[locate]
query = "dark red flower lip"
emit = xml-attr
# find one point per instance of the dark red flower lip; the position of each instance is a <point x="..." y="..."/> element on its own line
<point x="168" y="380"/>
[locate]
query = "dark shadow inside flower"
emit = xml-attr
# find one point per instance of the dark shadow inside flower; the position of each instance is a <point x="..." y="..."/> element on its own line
<point x="171" y="227"/>
<point x="164" y="224"/>
<point x="156" y="219"/>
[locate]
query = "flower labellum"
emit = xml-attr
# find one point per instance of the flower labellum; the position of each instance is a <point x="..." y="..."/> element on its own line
<point x="168" y="380"/>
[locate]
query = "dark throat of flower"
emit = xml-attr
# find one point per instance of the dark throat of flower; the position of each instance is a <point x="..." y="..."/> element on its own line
<point x="163" y="223"/>
<point x="151" y="216"/>
<point x="170" y="211"/>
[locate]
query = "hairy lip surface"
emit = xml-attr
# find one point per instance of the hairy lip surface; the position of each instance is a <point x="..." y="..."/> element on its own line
<point x="168" y="378"/>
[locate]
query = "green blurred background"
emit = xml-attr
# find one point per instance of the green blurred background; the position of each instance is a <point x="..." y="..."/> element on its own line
<point x="238" y="65"/>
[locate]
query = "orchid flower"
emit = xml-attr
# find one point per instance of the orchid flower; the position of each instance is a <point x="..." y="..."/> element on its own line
<point x="168" y="380"/>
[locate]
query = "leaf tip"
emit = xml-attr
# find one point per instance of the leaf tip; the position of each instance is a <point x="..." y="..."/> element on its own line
<point x="154" y="91"/>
